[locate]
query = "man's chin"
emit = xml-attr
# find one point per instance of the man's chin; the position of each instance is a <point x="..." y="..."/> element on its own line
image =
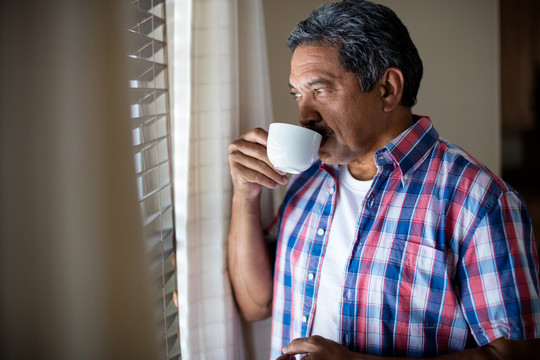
<point x="327" y="158"/>
<point x="330" y="152"/>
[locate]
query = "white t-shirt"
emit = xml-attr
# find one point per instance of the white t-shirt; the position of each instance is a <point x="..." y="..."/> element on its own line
<point x="349" y="197"/>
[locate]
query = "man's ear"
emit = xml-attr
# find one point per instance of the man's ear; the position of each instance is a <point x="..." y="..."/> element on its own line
<point x="391" y="87"/>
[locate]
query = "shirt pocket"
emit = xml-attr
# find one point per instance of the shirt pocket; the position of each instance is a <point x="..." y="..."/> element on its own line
<point x="423" y="260"/>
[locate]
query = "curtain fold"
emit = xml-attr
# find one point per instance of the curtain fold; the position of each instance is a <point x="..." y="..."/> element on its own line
<point x="220" y="90"/>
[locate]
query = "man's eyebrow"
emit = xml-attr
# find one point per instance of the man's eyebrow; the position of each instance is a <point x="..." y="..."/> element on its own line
<point x="317" y="81"/>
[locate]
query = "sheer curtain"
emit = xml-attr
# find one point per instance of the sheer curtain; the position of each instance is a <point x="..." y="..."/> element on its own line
<point x="220" y="90"/>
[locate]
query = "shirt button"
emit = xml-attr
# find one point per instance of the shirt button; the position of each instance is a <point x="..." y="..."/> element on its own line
<point x="320" y="232"/>
<point x="311" y="276"/>
<point x="332" y="191"/>
<point x="371" y="202"/>
<point x="304" y="319"/>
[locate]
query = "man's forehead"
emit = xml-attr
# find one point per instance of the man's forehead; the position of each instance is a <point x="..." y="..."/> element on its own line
<point x="310" y="64"/>
<point x="313" y="49"/>
<point x="314" y="55"/>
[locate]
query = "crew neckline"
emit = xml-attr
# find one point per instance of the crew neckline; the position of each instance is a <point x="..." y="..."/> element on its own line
<point x="346" y="179"/>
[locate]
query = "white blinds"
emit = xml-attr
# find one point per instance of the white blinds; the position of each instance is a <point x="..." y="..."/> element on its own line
<point x="151" y="132"/>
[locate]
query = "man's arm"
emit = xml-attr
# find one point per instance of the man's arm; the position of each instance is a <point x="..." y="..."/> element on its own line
<point x="250" y="265"/>
<point x="319" y="348"/>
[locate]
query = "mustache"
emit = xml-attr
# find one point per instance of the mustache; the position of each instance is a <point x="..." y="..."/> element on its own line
<point x="325" y="132"/>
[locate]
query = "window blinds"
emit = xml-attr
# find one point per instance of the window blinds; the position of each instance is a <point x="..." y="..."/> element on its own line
<point x="151" y="131"/>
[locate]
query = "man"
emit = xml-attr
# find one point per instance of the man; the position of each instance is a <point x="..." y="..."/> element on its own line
<point x="396" y="243"/>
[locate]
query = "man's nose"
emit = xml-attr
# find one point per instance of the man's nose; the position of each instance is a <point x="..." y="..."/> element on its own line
<point x="308" y="113"/>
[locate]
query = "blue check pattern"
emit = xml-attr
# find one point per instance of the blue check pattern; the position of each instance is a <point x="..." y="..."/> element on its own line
<point x="444" y="257"/>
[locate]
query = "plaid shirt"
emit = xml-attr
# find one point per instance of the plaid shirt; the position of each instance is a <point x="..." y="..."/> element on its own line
<point x="444" y="257"/>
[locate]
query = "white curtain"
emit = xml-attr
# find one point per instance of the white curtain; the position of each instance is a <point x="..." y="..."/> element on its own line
<point x="73" y="273"/>
<point x="220" y="90"/>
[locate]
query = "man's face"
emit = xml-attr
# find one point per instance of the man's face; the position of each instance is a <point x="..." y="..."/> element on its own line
<point x="331" y="103"/>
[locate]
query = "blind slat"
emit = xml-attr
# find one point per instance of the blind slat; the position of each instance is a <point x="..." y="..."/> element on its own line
<point x="145" y="4"/>
<point x="137" y="67"/>
<point x="155" y="201"/>
<point x="171" y="308"/>
<point x="141" y="15"/>
<point x="173" y="328"/>
<point x="148" y="144"/>
<point x="174" y="351"/>
<point x="168" y="242"/>
<point x="170" y="285"/>
<point x="138" y="42"/>
<point x="145" y="95"/>
<point x="155" y="239"/>
<point x="142" y="120"/>
<point x="148" y="170"/>
<point x="155" y="215"/>
<point x="170" y="263"/>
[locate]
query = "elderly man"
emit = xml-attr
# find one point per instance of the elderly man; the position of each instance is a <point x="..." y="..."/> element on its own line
<point x="397" y="242"/>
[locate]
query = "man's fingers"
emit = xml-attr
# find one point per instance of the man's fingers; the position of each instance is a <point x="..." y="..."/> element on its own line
<point x="254" y="144"/>
<point x="317" y="347"/>
<point x="301" y="346"/>
<point x="248" y="175"/>
<point x="286" y="357"/>
<point x="249" y="148"/>
<point x="254" y="150"/>
<point x="253" y="157"/>
<point x="256" y="135"/>
<point x="250" y="167"/>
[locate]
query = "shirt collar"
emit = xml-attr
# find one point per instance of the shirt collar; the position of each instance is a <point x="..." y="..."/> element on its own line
<point x="410" y="147"/>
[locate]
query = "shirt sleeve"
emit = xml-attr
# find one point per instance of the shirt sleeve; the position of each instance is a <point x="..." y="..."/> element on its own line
<point x="498" y="274"/>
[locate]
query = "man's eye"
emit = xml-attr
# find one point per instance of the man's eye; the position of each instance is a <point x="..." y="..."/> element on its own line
<point x="296" y="95"/>
<point x="319" y="91"/>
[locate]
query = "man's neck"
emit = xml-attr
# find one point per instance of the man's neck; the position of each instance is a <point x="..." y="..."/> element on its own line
<point x="365" y="168"/>
<point x="363" y="171"/>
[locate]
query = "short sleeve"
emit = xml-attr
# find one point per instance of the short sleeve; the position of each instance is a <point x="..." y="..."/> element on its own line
<point x="497" y="277"/>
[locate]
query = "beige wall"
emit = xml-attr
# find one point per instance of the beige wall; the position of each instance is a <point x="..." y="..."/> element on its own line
<point x="459" y="44"/>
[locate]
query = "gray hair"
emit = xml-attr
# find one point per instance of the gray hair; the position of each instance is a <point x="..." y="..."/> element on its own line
<point x="370" y="38"/>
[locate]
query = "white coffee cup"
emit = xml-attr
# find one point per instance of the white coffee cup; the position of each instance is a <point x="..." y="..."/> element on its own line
<point x="292" y="148"/>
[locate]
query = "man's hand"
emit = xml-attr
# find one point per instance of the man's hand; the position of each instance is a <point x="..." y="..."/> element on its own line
<point x="317" y="348"/>
<point x="250" y="167"/>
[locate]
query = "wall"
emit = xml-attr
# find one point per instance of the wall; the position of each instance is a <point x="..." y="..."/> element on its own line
<point x="458" y="42"/>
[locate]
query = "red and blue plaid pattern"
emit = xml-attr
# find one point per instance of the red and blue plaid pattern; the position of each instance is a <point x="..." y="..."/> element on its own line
<point x="444" y="257"/>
